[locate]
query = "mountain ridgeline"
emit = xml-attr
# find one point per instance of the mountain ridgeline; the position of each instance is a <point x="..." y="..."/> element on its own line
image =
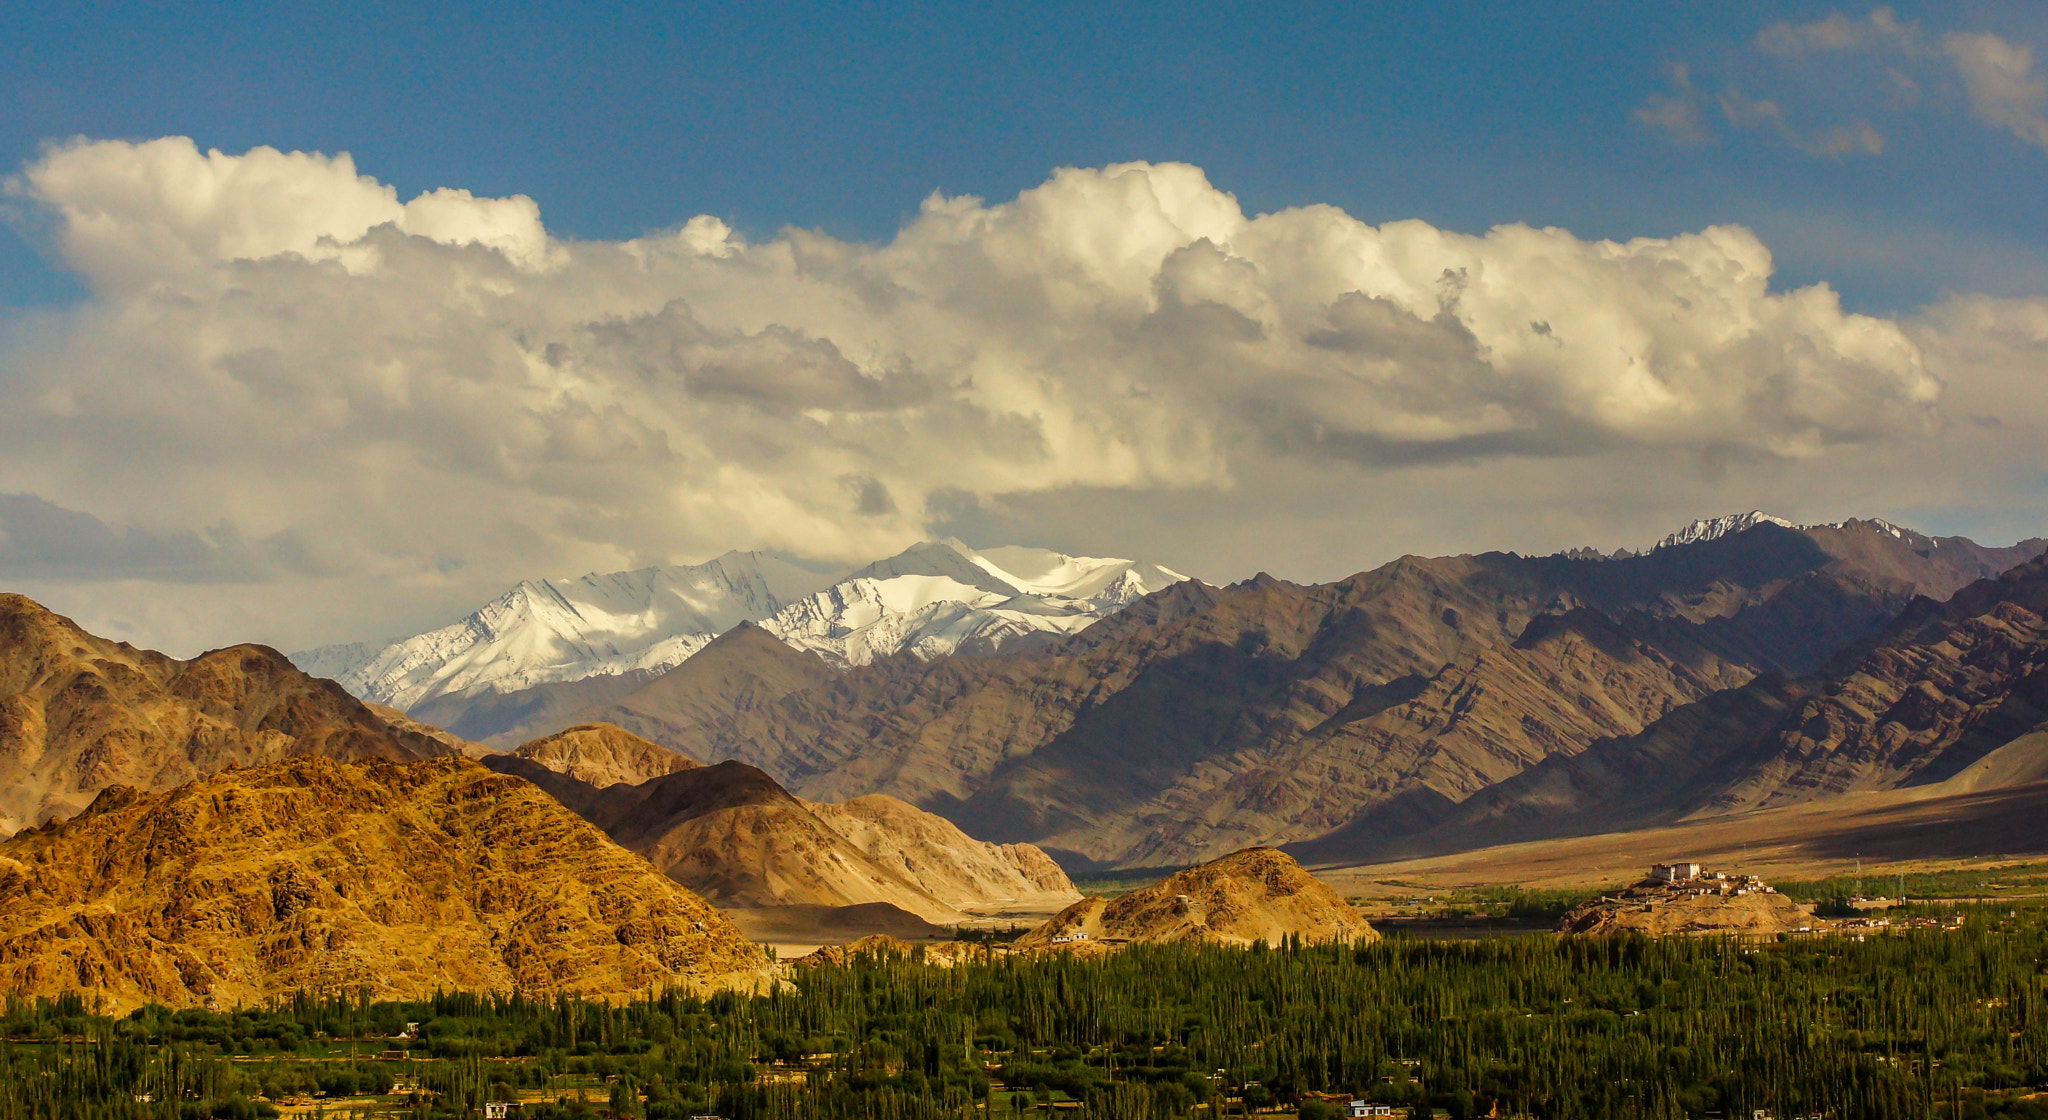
<point x="1197" y="720"/>
<point x="79" y="713"/>
<point x="730" y="833"/>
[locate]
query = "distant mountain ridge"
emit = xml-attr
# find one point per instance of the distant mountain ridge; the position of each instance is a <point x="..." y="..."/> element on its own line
<point x="1200" y="720"/>
<point x="544" y="631"/>
<point x="934" y="599"/>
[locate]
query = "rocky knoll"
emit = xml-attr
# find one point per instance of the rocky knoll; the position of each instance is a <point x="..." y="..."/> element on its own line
<point x="732" y="834"/>
<point x="79" y="713"/>
<point x="1203" y="719"/>
<point x="314" y="874"/>
<point x="1255" y="895"/>
<point x="603" y="755"/>
<point x="1666" y="909"/>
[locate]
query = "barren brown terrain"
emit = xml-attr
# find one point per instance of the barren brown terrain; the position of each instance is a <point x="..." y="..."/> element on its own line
<point x="399" y="878"/>
<point x="79" y="713"/>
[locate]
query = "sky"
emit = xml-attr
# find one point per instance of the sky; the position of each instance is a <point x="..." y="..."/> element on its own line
<point x="327" y="325"/>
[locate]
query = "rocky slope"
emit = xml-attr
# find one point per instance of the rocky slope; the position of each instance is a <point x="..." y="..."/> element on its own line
<point x="727" y="683"/>
<point x="313" y="874"/>
<point x="1254" y="895"/>
<point x="1950" y="692"/>
<point x="601" y="755"/>
<point x="730" y="833"/>
<point x="399" y="721"/>
<point x="1202" y="719"/>
<point x="79" y="713"/>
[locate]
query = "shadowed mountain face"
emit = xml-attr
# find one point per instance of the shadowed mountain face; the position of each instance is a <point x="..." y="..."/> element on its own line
<point x="79" y="713"/>
<point x="308" y="874"/>
<point x="741" y="672"/>
<point x="1201" y="720"/>
<point x="730" y="833"/>
<point x="1952" y="695"/>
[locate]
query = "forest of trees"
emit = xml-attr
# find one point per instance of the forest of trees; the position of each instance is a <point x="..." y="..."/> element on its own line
<point x="1923" y="1023"/>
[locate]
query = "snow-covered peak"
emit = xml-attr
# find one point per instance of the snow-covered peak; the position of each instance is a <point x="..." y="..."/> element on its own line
<point x="945" y="559"/>
<point x="1039" y="571"/>
<point x="1714" y="528"/>
<point x="558" y="630"/>
<point x="938" y="597"/>
<point x="933" y="598"/>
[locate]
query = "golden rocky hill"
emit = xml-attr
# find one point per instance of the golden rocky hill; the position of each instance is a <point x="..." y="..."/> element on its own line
<point x="315" y="874"/>
<point x="79" y="713"/>
<point x="1663" y="910"/>
<point x="600" y="754"/>
<point x="732" y="834"/>
<point x="1254" y="895"/>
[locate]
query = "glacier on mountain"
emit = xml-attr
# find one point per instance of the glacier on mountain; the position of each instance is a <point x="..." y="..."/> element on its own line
<point x="933" y="599"/>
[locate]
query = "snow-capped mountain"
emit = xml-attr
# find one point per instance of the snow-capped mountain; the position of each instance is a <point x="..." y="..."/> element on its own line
<point x="941" y="597"/>
<point x="565" y="630"/>
<point x="933" y="599"/>
<point x="1714" y="528"/>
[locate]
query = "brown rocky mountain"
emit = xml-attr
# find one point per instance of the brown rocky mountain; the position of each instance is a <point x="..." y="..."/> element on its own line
<point x="1254" y="895"/>
<point x="1203" y="719"/>
<point x="79" y="713"/>
<point x="730" y="833"/>
<point x="1951" y="694"/>
<point x="603" y="755"/>
<point x="314" y="874"/>
<point x="723" y="688"/>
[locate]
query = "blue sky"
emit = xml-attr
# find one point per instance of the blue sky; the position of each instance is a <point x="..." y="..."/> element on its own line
<point x="623" y="118"/>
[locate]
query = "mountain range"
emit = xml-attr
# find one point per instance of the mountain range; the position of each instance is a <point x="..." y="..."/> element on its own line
<point x="598" y="637"/>
<point x="79" y="713"/>
<point x="897" y="742"/>
<point x="1200" y="720"/>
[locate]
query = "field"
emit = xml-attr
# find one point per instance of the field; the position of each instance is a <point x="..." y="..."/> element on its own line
<point x="1884" y="834"/>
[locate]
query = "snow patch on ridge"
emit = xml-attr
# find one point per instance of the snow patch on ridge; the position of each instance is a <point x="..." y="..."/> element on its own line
<point x="1714" y="528"/>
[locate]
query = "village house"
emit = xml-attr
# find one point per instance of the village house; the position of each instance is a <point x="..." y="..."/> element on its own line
<point x="1360" y="1109"/>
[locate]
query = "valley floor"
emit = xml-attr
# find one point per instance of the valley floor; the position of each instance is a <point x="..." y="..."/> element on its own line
<point x="1889" y="832"/>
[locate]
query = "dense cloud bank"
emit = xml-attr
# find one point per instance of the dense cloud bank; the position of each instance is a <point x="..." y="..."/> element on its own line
<point x="286" y="377"/>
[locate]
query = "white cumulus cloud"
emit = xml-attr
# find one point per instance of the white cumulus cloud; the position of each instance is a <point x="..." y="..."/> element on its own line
<point x="408" y="403"/>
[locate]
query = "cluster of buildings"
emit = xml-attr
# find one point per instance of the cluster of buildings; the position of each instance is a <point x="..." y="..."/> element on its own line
<point x="1692" y="879"/>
